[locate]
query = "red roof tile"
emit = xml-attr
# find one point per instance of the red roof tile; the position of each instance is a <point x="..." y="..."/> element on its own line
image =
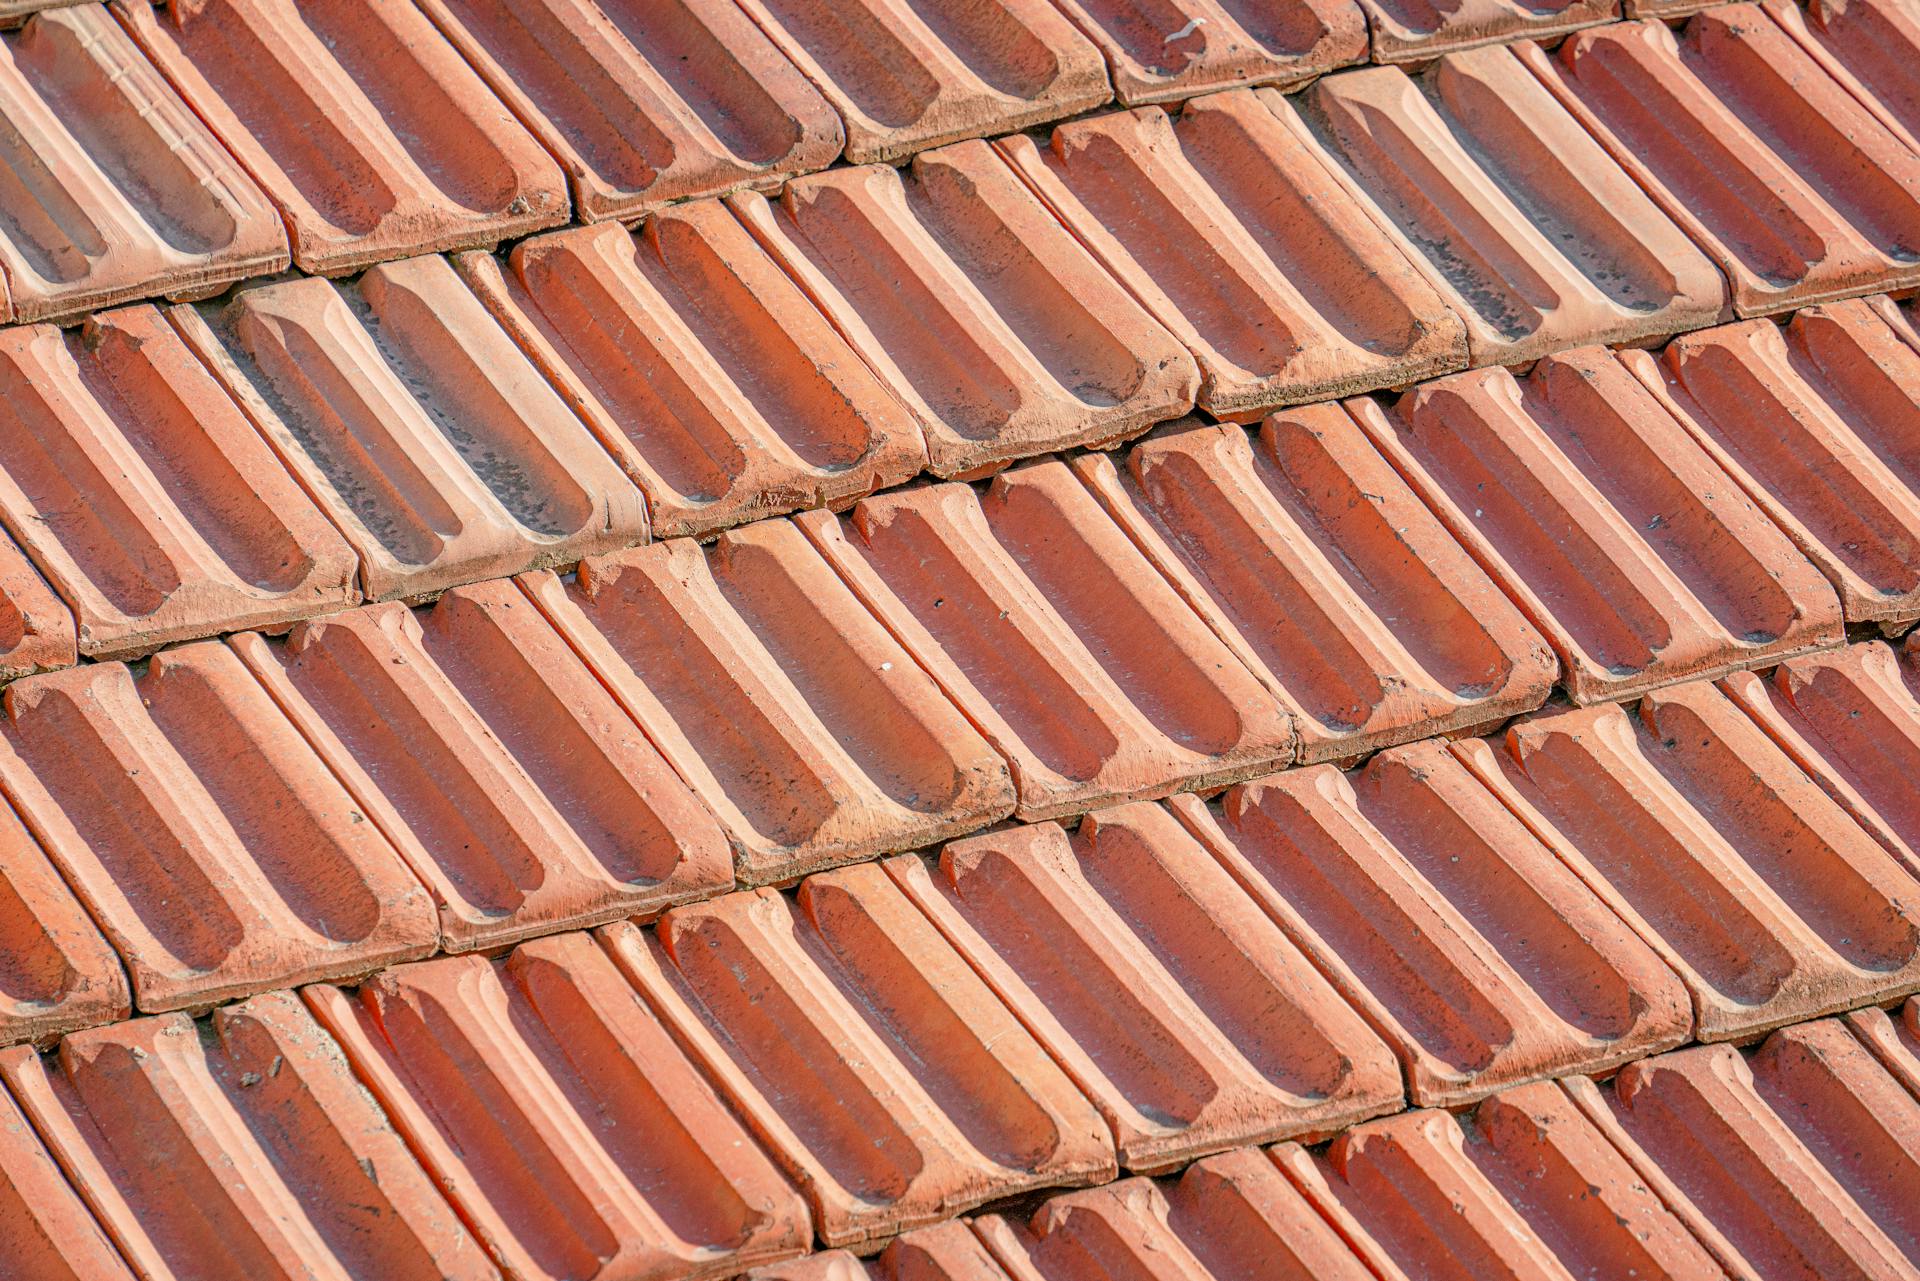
<point x="418" y="426"/>
<point x="1173" y="1001"/>
<point x="790" y="710"/>
<point x="1772" y="904"/>
<point x="118" y="191"/>
<point x="707" y="371"/>
<point x="1318" y="567"/>
<point x="369" y="130"/>
<point x="1615" y="532"/>
<point x="1512" y="211"/>
<point x="36" y="627"/>
<point x="877" y="1067"/>
<point x="1893" y="1036"/>
<point x="212" y="845"/>
<point x="515" y="786"/>
<point x="907" y="76"/>
<point x="14" y="12"/>
<point x="1415" y="30"/>
<point x="646" y="101"/>
<point x="61" y="974"/>
<point x="1238" y="238"/>
<point x="1064" y="645"/>
<point x="575" y="1137"/>
<point x="243" y="1151"/>
<point x="975" y="306"/>
<point x="947" y="1252"/>
<point x="1172" y="48"/>
<point x="1870" y="46"/>
<point x="1783" y="177"/>
<point x="1449" y="925"/>
<point x="46" y="1231"/>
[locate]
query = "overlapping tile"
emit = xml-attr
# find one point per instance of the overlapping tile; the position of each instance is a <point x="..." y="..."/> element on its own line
<point x="1615" y="532"/>
<point x="510" y="780"/>
<point x="1174" y="1002"/>
<point x="995" y="328"/>
<point x="1322" y="571"/>
<point x="1526" y="1189"/>
<point x="56" y="971"/>
<point x="1757" y="887"/>
<point x="1416" y="30"/>
<point x="1893" y="1037"/>
<point x="146" y="496"/>
<point x="788" y="708"/>
<point x="1775" y="169"/>
<point x="1819" y="422"/>
<point x="556" y="1112"/>
<point x="906" y="76"/>
<point x="36" y="627"/>
<point x="1161" y="50"/>
<point x="646" y="101"/>
<point x="14" y="12"/>
<point x="1869" y="46"/>
<point x="116" y="191"/>
<point x="705" y="370"/>
<point x="1233" y="232"/>
<point x="877" y="1068"/>
<point x="947" y="1252"/>
<point x="239" y="1150"/>
<point x="418" y="426"/>
<point x="1515" y="214"/>
<point x="1057" y="638"/>
<point x="213" y="846"/>
<point x="46" y="1230"/>
<point x="370" y="132"/>
<point x="1460" y="936"/>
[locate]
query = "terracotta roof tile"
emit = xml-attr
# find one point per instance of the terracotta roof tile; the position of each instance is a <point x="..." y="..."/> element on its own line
<point x="1768" y="899"/>
<point x="1057" y="638"/>
<point x="508" y="778"/>
<point x="947" y="1252"/>
<point x="1450" y="926"/>
<point x="1414" y="30"/>
<point x="61" y="974"/>
<point x="239" y="1151"/>
<point x="1322" y="571"/>
<point x="418" y="426"/>
<point x="36" y="627"/>
<point x="1526" y="1188"/>
<point x="877" y="1067"/>
<point x="212" y="845"/>
<point x="1819" y="422"/>
<point x="1783" y="177"/>
<point x="790" y="710"/>
<point x="1171" y="49"/>
<point x="1236" y="235"/>
<point x="119" y="191"/>
<point x="1870" y="46"/>
<point x="1893" y="1036"/>
<point x="147" y="497"/>
<point x="646" y="101"/>
<point x="14" y="12"/>
<point x="370" y="132"/>
<point x="1174" y="1002"/>
<point x="559" y="1115"/>
<point x="46" y="1231"/>
<point x="1618" y="535"/>
<point x="1514" y="213"/>
<point x="703" y="367"/>
<point x="908" y="76"/>
<point x="1000" y="333"/>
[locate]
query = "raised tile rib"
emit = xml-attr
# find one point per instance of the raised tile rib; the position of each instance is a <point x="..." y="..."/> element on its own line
<point x="1787" y="181"/>
<point x="369" y="131"/>
<point x="1613" y="530"/>
<point x="1520" y="219"/>
<point x="242" y="1149"/>
<point x="1524" y="1188"/>
<point x="880" y="1071"/>
<point x="1893" y="1037"/>
<point x="216" y="850"/>
<point x="36" y="627"/>
<point x="1057" y="638"/>
<point x="1458" y="935"/>
<point x="644" y="102"/>
<point x="60" y="974"/>
<point x="947" y="1252"/>
<point x="115" y="190"/>
<point x="509" y="779"/>
<point x="46" y="1230"/>
<point x="1416" y="30"/>
<point x="706" y="371"/>
<point x="1173" y="1001"/>
<point x="1309" y="556"/>
<point x="146" y="496"/>
<point x="1163" y="50"/>
<point x="1872" y="47"/>
<point x="1773" y="904"/>
<point x="419" y="427"/>
<point x="906" y="76"/>
<point x="790" y="710"/>
<point x="573" y="1134"/>
<point x="1231" y="229"/>
<point x="991" y="323"/>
